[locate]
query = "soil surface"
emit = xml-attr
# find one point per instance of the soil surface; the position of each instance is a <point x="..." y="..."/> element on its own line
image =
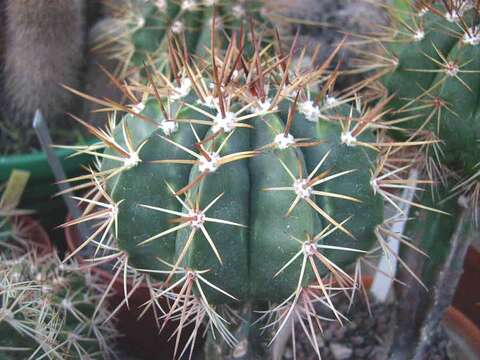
<point x="365" y="337"/>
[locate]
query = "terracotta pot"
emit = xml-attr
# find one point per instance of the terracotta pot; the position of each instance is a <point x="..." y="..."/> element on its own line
<point x="141" y="336"/>
<point x="35" y="233"/>
<point x="467" y="296"/>
<point x="463" y="333"/>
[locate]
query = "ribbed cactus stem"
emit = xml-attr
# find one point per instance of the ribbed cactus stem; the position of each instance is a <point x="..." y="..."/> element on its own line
<point x="237" y="186"/>
<point x="432" y="70"/>
<point x="137" y="32"/>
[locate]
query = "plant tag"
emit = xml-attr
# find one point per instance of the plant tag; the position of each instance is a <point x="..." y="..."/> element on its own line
<point x="14" y="189"/>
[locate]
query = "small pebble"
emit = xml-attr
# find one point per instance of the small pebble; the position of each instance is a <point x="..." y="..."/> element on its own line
<point x="288" y="354"/>
<point x="320" y="340"/>
<point x="352" y="326"/>
<point x="361" y="353"/>
<point x="357" y="340"/>
<point x="327" y="334"/>
<point x="340" y="351"/>
<point x="340" y="332"/>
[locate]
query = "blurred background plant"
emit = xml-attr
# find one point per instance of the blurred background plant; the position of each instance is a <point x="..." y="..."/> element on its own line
<point x="43" y="47"/>
<point x="48" y="309"/>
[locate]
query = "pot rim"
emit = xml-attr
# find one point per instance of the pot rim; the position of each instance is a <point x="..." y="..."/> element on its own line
<point x="36" y="162"/>
<point x="457" y="322"/>
<point x="36" y="233"/>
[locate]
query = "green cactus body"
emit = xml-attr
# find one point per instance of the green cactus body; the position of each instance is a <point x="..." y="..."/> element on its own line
<point x="129" y="188"/>
<point x="150" y="29"/>
<point x="141" y="29"/>
<point x="231" y="242"/>
<point x="202" y="40"/>
<point x="358" y="185"/>
<point x="245" y="258"/>
<point x="234" y="192"/>
<point x="433" y="232"/>
<point x="437" y="80"/>
<point x="271" y="231"/>
<point x="155" y="22"/>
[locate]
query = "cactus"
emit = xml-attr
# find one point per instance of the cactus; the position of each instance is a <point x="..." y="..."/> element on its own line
<point x="43" y="48"/>
<point x="135" y="32"/>
<point x="48" y="311"/>
<point x="432" y="67"/>
<point x="238" y="182"/>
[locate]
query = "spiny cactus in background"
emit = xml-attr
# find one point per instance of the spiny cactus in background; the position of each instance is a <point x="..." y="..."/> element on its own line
<point x="49" y="311"/>
<point x="429" y="62"/>
<point x="240" y="179"/>
<point x="136" y="31"/>
<point x="432" y="66"/>
<point x="43" y="48"/>
<point x="13" y="229"/>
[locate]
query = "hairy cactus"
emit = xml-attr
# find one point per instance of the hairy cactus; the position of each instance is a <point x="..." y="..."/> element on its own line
<point x="47" y="311"/>
<point x="432" y="67"/>
<point x="241" y="180"/>
<point x="43" y="49"/>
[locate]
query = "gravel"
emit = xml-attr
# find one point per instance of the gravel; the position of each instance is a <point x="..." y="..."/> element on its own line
<point x="364" y="337"/>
